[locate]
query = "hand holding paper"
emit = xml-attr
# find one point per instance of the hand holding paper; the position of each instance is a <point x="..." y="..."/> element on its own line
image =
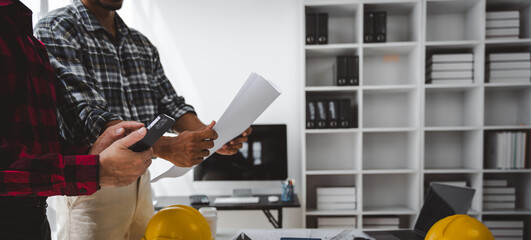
<point x="249" y="103"/>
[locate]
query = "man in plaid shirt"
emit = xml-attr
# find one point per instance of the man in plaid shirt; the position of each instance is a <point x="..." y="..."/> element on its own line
<point x="32" y="164"/>
<point x="110" y="73"/>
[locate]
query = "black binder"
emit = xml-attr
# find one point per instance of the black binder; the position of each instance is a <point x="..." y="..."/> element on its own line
<point x="321" y="116"/>
<point x="311" y="28"/>
<point x="380" y="26"/>
<point x="333" y="115"/>
<point x="353" y="71"/>
<point x="341" y="70"/>
<point x="310" y="114"/>
<point x="345" y="113"/>
<point x="368" y="27"/>
<point x="322" y="28"/>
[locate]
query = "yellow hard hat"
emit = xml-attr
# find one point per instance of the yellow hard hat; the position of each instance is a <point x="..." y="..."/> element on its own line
<point x="459" y="227"/>
<point x="178" y="222"/>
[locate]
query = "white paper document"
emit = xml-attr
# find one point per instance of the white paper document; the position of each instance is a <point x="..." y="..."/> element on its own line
<point x="250" y="102"/>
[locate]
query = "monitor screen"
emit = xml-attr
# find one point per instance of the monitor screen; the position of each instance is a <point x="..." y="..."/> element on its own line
<point x="262" y="157"/>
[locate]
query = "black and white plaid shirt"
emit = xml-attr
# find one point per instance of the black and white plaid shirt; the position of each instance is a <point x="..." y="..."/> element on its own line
<point x="101" y="78"/>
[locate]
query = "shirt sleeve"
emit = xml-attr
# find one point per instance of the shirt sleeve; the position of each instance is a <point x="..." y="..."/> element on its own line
<point x="83" y="111"/>
<point x="169" y="102"/>
<point x="46" y="174"/>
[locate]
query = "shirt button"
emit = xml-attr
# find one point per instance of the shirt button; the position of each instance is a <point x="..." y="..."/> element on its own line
<point x="83" y="190"/>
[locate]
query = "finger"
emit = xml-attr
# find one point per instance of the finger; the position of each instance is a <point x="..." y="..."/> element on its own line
<point x="204" y="153"/>
<point x="247" y="132"/>
<point x="238" y="140"/>
<point x="234" y="146"/>
<point x="148" y="154"/>
<point x="132" y="138"/>
<point x="206" y="144"/>
<point x="211" y="125"/>
<point x="129" y="125"/>
<point x="207" y="134"/>
<point x="148" y="163"/>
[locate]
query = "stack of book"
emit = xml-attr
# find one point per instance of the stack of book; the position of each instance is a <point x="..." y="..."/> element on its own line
<point x="509" y="67"/>
<point x="506" y="229"/>
<point x="498" y="196"/>
<point x="383" y="222"/>
<point x="330" y="113"/>
<point x="506" y="150"/>
<point x="316" y="28"/>
<point x="450" y="68"/>
<point x="336" y="222"/>
<point x="505" y="24"/>
<point x="347" y="71"/>
<point x="336" y="198"/>
<point x="375" y="27"/>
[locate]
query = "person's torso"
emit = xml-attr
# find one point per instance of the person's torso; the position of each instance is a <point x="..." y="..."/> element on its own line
<point x="123" y="73"/>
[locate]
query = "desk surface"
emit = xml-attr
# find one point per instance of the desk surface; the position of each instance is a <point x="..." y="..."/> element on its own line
<point x="263" y="203"/>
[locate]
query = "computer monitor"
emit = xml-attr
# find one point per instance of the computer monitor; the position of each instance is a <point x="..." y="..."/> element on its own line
<point x="263" y="157"/>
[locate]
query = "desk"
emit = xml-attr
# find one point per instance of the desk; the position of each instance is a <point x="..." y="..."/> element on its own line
<point x="263" y="204"/>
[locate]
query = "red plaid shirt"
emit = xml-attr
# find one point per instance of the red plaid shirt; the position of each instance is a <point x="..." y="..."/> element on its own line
<point x="30" y="159"/>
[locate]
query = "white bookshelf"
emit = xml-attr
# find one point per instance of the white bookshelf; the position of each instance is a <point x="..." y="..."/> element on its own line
<point x="410" y="133"/>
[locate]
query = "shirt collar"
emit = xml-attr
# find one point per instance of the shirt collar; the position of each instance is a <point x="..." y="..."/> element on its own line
<point x="92" y="24"/>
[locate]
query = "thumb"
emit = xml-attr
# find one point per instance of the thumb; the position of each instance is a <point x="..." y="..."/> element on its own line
<point x="132" y="138"/>
<point x="211" y="125"/>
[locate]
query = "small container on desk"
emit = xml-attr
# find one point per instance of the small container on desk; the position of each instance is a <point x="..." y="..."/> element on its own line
<point x="287" y="190"/>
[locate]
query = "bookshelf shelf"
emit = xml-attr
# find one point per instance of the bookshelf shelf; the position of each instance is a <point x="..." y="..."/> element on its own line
<point x="509" y="42"/>
<point x="512" y="212"/>
<point x="314" y="212"/>
<point x="389" y="171"/>
<point x="333" y="89"/>
<point x="338" y="130"/>
<point x="451" y="171"/>
<point x="331" y="172"/>
<point x="332" y="50"/>
<point x="410" y="132"/>
<point x="507" y="171"/>
<point x="448" y="129"/>
<point x="390" y="88"/>
<point x="390" y="47"/>
<point x="445" y="44"/>
<point x="506" y="85"/>
<point x="390" y="210"/>
<point x="398" y="129"/>
<point x="448" y="87"/>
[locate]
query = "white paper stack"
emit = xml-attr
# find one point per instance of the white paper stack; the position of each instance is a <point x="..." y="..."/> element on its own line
<point x="497" y="195"/>
<point x="381" y="222"/>
<point x="450" y="68"/>
<point x="506" y="229"/>
<point x="503" y="24"/>
<point x="336" y="198"/>
<point x="506" y="150"/>
<point x="336" y="222"/>
<point x="509" y="67"/>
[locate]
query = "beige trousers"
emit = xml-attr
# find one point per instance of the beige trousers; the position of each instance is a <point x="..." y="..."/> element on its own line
<point x="110" y="213"/>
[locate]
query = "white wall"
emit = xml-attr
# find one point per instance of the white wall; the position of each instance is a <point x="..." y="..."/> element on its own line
<point x="208" y="48"/>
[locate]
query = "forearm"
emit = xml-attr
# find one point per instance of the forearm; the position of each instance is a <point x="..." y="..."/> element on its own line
<point x="63" y="175"/>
